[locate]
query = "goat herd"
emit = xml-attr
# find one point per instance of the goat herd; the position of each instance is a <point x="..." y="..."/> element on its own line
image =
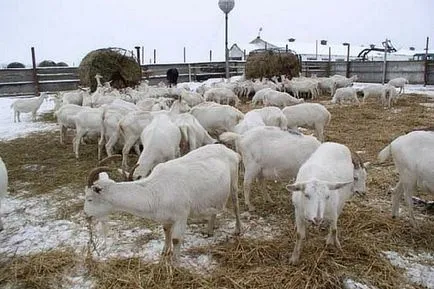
<point x="185" y="169"/>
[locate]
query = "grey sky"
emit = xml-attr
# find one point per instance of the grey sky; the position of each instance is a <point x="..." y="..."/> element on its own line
<point x="66" y="30"/>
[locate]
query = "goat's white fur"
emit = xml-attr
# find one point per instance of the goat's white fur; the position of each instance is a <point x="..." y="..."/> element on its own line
<point x="413" y="157"/>
<point x="270" y="154"/>
<point x="198" y="183"/>
<point x="28" y="105"/>
<point x="308" y="115"/>
<point x="323" y="184"/>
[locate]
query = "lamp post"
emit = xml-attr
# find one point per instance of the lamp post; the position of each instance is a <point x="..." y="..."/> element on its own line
<point x="226" y="6"/>
<point x="348" y="58"/>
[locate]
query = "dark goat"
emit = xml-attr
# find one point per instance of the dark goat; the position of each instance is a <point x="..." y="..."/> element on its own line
<point x="172" y="76"/>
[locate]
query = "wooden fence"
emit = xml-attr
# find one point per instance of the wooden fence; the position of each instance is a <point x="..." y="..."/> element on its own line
<point x="17" y="82"/>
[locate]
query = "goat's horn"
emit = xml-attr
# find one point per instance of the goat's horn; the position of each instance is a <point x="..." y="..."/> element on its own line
<point x="109" y="158"/>
<point x="93" y="175"/>
<point x="130" y="177"/>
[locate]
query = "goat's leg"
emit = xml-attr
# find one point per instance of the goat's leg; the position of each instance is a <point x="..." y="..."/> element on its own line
<point x="249" y="175"/>
<point x="300" y="236"/>
<point x="409" y="187"/>
<point x="264" y="188"/>
<point x="167" y="249"/>
<point x="177" y="236"/>
<point x="332" y="238"/>
<point x="101" y="143"/>
<point x="76" y="141"/>
<point x="396" y="198"/>
<point x="211" y="224"/>
<point x="126" y="150"/>
<point x="62" y="130"/>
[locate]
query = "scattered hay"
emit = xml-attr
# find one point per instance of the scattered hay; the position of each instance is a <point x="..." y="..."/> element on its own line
<point x="366" y="228"/>
<point x="39" y="271"/>
<point x="269" y="63"/>
<point x="113" y="64"/>
<point x="134" y="273"/>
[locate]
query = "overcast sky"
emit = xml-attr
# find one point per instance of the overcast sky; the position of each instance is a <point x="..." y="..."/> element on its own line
<point x="66" y="30"/>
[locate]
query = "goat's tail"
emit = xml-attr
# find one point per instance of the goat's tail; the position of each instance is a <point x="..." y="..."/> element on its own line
<point x="385" y="154"/>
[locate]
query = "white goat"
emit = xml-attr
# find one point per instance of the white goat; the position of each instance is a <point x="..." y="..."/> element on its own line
<point x="217" y="118"/>
<point x="28" y="105"/>
<point x="323" y="184"/>
<point x="272" y="116"/>
<point x="196" y="135"/>
<point x="342" y="81"/>
<point x="399" y="83"/>
<point x="198" y="183"/>
<point x="327" y="84"/>
<point x="113" y="113"/>
<point x="270" y="154"/>
<point x="345" y="94"/>
<point x="280" y="99"/>
<point x="3" y="185"/>
<point x="308" y="115"/>
<point x="129" y="128"/>
<point x="161" y="141"/>
<point x="192" y="98"/>
<point x="87" y="121"/>
<point x="251" y="120"/>
<point x="413" y="158"/>
<point x="222" y="95"/>
<point x="66" y="118"/>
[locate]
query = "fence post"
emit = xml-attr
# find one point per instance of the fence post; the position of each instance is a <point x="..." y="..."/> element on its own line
<point x="155" y="56"/>
<point x="329" y="66"/>
<point x="210" y="56"/>
<point x="425" y="73"/>
<point x="184" y="55"/>
<point x="138" y="53"/>
<point x="35" y="74"/>
<point x="189" y="72"/>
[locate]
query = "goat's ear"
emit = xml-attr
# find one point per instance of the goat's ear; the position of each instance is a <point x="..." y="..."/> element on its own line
<point x="295" y="187"/>
<point x="336" y="186"/>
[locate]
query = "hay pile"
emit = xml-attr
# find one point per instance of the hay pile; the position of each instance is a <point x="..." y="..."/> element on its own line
<point x="16" y="65"/>
<point x="271" y="63"/>
<point x="47" y="63"/>
<point x="113" y="64"/>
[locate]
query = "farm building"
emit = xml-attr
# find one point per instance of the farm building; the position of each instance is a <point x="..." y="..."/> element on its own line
<point x="320" y="49"/>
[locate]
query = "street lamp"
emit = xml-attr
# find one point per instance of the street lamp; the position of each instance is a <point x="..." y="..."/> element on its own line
<point x="348" y="58"/>
<point x="226" y="6"/>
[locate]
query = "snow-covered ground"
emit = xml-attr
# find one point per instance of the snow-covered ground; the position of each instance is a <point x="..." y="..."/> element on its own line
<point x="29" y="220"/>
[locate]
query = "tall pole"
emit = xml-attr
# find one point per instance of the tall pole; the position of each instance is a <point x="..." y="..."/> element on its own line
<point x="348" y="61"/>
<point x="35" y="74"/>
<point x="226" y="46"/>
<point x="425" y="74"/>
<point x="384" y="61"/>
